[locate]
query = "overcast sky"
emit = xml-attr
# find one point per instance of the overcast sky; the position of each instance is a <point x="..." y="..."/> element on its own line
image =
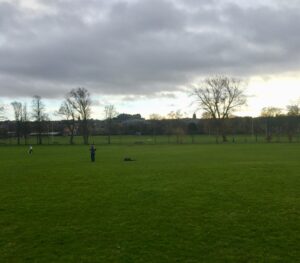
<point x="142" y="55"/>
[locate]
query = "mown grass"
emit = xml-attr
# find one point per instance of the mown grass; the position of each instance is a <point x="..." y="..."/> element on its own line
<point x="176" y="203"/>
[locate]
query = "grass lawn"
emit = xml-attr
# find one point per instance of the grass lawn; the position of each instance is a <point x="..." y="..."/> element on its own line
<point x="176" y="203"/>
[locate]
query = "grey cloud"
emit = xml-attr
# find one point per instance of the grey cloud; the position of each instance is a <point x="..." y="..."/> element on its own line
<point x="97" y="103"/>
<point x="141" y="48"/>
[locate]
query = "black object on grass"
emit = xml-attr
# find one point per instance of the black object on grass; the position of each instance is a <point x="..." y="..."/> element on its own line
<point x="128" y="159"/>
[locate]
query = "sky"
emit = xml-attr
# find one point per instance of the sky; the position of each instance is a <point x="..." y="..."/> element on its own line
<point x="145" y="56"/>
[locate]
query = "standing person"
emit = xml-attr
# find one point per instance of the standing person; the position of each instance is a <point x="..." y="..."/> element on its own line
<point x="93" y="152"/>
<point x="30" y="149"/>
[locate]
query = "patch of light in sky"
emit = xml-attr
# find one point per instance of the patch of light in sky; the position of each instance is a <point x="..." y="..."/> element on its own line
<point x="35" y="5"/>
<point x="277" y="91"/>
<point x="262" y="91"/>
<point x="143" y="105"/>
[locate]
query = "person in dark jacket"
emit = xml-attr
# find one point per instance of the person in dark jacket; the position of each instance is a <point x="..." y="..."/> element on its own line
<point x="93" y="152"/>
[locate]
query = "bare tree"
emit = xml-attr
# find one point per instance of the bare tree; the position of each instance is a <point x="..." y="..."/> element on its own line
<point x="271" y="112"/>
<point x="110" y="113"/>
<point x="155" y="119"/>
<point x="17" y="107"/>
<point x="175" y="115"/>
<point x="2" y="110"/>
<point x="25" y="123"/>
<point x="293" y="110"/>
<point x="155" y="116"/>
<point x="292" y="120"/>
<point x="206" y="115"/>
<point x="80" y="101"/>
<point x="39" y="116"/>
<point x="174" y="125"/>
<point x="219" y="97"/>
<point x="68" y="113"/>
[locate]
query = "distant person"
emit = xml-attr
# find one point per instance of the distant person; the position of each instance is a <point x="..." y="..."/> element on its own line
<point x="30" y="149"/>
<point x="93" y="152"/>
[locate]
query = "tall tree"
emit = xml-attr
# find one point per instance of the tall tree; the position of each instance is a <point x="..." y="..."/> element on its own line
<point x="80" y="101"/>
<point x="155" y="119"/>
<point x="2" y="117"/>
<point x="110" y="113"/>
<point x="292" y="122"/>
<point x="176" y="127"/>
<point x="293" y="110"/>
<point x="175" y="115"/>
<point x="68" y="113"/>
<point x="39" y="116"/>
<point x="17" y="107"/>
<point x="271" y="112"/>
<point x="219" y="97"/>
<point x="25" y="123"/>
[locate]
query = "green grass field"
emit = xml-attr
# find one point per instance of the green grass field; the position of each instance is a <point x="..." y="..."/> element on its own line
<point x="176" y="203"/>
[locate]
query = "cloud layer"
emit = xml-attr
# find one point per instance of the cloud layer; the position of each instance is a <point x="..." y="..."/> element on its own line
<point x="140" y="47"/>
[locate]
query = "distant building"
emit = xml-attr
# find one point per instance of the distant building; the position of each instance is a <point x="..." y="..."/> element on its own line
<point x="124" y="117"/>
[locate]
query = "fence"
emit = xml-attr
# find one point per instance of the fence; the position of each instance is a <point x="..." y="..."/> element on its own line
<point x="148" y="139"/>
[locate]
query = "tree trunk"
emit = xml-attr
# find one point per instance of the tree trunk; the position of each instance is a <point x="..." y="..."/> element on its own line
<point x="85" y="132"/>
<point x="72" y="137"/>
<point x="72" y="128"/>
<point x="18" y="136"/>
<point x="108" y="131"/>
<point x="224" y="138"/>
<point x="39" y="132"/>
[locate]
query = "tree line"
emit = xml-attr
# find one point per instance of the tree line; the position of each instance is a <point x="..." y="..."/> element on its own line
<point x="218" y="97"/>
<point x="75" y="109"/>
